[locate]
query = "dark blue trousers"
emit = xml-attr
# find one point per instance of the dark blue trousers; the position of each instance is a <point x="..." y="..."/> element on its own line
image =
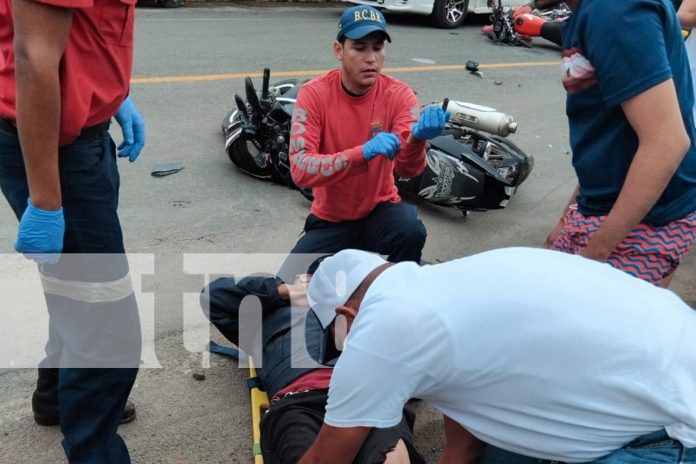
<point x="391" y="229"/>
<point x="92" y="334"/>
<point x="652" y="448"/>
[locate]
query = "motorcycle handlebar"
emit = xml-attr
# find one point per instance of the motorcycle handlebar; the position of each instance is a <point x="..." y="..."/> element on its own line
<point x="251" y="96"/>
<point x="240" y="105"/>
<point x="264" y="87"/>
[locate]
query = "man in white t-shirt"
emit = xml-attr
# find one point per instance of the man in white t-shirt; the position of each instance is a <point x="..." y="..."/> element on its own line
<point x="535" y="352"/>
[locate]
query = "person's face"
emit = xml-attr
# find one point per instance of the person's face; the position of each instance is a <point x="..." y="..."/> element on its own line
<point x="362" y="61"/>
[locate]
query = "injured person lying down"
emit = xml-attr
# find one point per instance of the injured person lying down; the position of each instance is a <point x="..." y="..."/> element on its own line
<point x="296" y="384"/>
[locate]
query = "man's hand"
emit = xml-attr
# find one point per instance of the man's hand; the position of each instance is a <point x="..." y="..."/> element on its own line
<point x="296" y="292"/>
<point x="384" y="143"/>
<point x="595" y="250"/>
<point x="553" y="235"/>
<point x="40" y="234"/>
<point x="431" y="123"/>
<point x="133" y="128"/>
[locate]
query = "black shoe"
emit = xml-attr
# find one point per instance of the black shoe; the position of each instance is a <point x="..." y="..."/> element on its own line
<point x="44" y="401"/>
<point x="128" y="413"/>
<point x="47" y="415"/>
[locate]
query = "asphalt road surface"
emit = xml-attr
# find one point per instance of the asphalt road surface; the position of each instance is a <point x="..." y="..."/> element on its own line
<point x="188" y="64"/>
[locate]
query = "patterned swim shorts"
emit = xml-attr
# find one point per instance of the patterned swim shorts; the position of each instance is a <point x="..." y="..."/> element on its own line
<point x="649" y="252"/>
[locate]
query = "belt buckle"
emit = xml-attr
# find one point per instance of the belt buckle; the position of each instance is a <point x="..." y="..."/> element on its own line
<point x="288" y="394"/>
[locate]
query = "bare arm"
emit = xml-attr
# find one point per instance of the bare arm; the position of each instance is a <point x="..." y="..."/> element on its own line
<point x="687" y="14"/>
<point x="336" y="445"/>
<point x="41" y="34"/>
<point x="662" y="144"/>
<point x="461" y="446"/>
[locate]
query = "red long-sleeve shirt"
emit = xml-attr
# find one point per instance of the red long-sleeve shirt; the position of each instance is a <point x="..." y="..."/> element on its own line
<point x="329" y="128"/>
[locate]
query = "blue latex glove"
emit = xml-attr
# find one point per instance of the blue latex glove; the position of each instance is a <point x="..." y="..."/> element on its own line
<point x="431" y="123"/>
<point x="40" y="234"/>
<point x="133" y="128"/>
<point x="384" y="143"/>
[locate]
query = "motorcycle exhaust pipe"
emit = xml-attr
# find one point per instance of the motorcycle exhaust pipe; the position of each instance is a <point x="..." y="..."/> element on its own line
<point x="481" y="118"/>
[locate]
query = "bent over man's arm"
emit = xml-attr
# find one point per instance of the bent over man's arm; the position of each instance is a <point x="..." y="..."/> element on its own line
<point x="335" y="445"/>
<point x="41" y="34"/>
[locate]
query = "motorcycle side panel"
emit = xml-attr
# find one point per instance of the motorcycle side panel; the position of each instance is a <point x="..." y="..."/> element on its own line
<point x="451" y="181"/>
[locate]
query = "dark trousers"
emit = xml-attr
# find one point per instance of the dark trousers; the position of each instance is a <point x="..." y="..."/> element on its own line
<point x="293" y="422"/>
<point x="85" y="333"/>
<point x="391" y="229"/>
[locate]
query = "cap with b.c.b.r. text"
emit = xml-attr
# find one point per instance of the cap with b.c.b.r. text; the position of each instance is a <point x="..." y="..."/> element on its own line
<point x="358" y="21"/>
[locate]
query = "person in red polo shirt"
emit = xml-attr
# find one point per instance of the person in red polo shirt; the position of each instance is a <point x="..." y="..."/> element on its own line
<point x="351" y="129"/>
<point x="65" y="68"/>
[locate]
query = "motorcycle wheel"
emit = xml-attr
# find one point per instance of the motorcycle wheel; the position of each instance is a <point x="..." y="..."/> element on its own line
<point x="244" y="154"/>
<point x="448" y="14"/>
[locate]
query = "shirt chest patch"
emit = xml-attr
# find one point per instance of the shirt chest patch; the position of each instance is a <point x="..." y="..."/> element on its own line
<point x="376" y="126"/>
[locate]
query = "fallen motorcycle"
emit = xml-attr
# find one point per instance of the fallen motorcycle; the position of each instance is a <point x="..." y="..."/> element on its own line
<point x="472" y="167"/>
<point x="517" y="26"/>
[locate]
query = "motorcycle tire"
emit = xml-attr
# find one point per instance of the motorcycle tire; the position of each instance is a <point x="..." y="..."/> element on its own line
<point x="239" y="154"/>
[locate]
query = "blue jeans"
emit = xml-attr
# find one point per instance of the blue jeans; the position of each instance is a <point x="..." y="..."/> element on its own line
<point x="653" y="448"/>
<point x="90" y="400"/>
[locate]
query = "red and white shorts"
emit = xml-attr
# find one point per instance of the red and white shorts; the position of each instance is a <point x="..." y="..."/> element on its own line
<point x="649" y="252"/>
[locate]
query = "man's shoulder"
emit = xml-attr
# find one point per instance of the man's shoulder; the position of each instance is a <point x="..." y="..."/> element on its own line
<point x="597" y="11"/>
<point x="392" y="84"/>
<point x="324" y="82"/>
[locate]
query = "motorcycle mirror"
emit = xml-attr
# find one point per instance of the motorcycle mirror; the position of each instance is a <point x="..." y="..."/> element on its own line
<point x="251" y="96"/>
<point x="240" y="105"/>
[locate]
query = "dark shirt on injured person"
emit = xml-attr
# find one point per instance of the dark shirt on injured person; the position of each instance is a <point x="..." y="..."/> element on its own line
<point x="285" y="365"/>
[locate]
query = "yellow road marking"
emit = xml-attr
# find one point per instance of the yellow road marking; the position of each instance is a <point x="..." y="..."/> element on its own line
<point x="317" y="72"/>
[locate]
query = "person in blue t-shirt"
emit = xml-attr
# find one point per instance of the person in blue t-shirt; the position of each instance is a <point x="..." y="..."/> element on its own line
<point x="629" y="106"/>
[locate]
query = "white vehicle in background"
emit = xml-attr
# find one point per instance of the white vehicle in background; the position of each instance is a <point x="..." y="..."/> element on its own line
<point x="443" y="13"/>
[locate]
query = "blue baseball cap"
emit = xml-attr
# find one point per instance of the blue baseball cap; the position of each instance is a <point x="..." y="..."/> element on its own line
<point x="358" y="21"/>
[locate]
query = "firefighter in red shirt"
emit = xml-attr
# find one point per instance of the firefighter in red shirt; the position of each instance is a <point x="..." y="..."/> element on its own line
<point x="351" y="128"/>
<point x="64" y="73"/>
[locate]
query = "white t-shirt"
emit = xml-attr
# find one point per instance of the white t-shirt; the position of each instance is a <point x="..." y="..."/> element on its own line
<point x="538" y="352"/>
